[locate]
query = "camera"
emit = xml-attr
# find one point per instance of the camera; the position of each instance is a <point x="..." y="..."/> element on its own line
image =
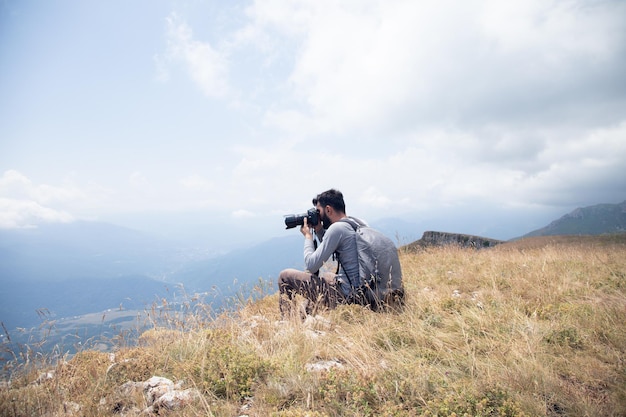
<point x="312" y="218"/>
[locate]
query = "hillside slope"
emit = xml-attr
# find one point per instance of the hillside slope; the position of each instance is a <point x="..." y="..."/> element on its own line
<point x="592" y="220"/>
<point x="533" y="330"/>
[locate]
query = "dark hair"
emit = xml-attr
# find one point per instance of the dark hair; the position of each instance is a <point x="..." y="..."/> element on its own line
<point x="332" y="198"/>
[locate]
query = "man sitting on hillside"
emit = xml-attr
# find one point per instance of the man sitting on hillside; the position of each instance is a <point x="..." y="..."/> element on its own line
<point x="337" y="234"/>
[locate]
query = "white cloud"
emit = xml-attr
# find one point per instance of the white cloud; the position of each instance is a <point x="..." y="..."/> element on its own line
<point x="403" y="105"/>
<point x="25" y="203"/>
<point x="207" y="66"/>
<point x="373" y="197"/>
<point x="554" y="27"/>
<point x="27" y="214"/>
<point x="443" y="168"/>
<point x="14" y="184"/>
<point x="588" y="166"/>
<point x="375" y="65"/>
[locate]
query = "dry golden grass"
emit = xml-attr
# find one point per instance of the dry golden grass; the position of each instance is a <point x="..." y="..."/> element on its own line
<point x="534" y="327"/>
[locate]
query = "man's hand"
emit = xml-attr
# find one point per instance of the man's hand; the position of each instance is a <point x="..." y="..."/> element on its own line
<point x="306" y="230"/>
<point x="318" y="227"/>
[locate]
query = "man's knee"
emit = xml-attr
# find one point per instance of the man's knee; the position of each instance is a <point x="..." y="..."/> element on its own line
<point x="285" y="275"/>
<point x="288" y="279"/>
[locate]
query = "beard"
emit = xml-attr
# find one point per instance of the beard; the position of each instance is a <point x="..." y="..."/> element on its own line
<point x="325" y="221"/>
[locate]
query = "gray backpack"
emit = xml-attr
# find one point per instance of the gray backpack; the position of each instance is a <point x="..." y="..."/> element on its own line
<point x="380" y="282"/>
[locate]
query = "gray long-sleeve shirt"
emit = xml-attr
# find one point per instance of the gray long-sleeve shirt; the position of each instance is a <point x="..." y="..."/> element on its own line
<point x="339" y="237"/>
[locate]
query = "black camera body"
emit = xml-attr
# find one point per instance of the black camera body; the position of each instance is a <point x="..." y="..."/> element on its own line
<point x="312" y="217"/>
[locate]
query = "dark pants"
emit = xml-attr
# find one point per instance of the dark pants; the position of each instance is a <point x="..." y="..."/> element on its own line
<point x="321" y="292"/>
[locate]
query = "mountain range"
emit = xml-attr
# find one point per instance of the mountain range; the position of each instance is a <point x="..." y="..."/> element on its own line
<point x="85" y="267"/>
<point x="592" y="220"/>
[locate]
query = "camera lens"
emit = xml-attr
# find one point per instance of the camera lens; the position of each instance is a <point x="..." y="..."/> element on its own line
<point x="294" y="220"/>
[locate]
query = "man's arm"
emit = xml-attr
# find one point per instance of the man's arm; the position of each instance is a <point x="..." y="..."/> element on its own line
<point x="314" y="259"/>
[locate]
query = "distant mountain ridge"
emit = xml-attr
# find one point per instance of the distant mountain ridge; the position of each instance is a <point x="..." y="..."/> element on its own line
<point x="80" y="250"/>
<point x="591" y="220"/>
<point x="83" y="267"/>
<point x="76" y="268"/>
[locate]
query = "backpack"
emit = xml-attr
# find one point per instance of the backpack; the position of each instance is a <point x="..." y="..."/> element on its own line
<point x="380" y="282"/>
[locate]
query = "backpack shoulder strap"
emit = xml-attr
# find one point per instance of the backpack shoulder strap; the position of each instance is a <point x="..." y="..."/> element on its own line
<point x="351" y="222"/>
<point x="355" y="226"/>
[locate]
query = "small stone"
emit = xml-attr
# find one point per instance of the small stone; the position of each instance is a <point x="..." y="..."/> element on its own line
<point x="176" y="399"/>
<point x="323" y="365"/>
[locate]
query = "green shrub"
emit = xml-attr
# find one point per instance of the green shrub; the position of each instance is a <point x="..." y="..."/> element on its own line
<point x="492" y="403"/>
<point x="228" y="371"/>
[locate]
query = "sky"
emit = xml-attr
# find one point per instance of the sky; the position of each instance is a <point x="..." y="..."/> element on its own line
<point x="157" y="114"/>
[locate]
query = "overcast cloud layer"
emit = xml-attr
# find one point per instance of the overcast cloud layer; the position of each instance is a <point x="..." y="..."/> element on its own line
<point x="245" y="110"/>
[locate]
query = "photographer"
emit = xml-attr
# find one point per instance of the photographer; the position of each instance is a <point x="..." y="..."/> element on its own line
<point x="323" y="289"/>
